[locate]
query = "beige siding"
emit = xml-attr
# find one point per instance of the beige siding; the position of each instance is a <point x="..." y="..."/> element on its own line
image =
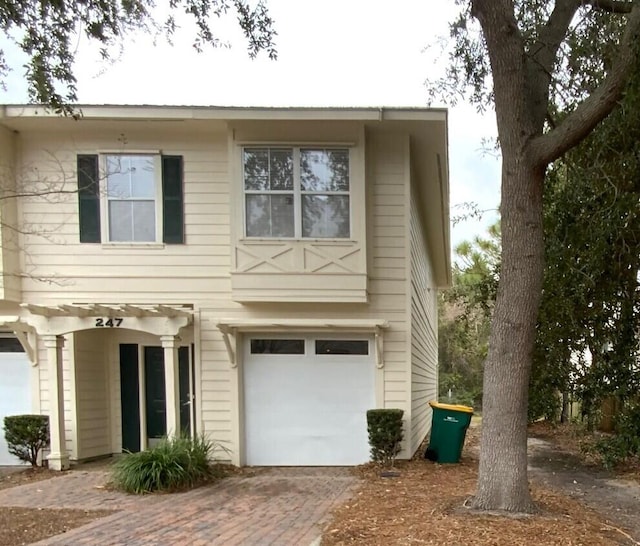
<point x="387" y="180"/>
<point x="199" y="273"/>
<point x="52" y="249"/>
<point x="92" y="394"/>
<point x="424" y="330"/>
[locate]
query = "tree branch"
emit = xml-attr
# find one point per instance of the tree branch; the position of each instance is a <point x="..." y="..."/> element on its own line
<point x="612" y="6"/>
<point x="505" y="47"/>
<point x="553" y="33"/>
<point x="579" y="123"/>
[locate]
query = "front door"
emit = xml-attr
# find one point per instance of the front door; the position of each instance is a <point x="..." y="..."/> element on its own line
<point x="130" y="397"/>
<point x="156" y="403"/>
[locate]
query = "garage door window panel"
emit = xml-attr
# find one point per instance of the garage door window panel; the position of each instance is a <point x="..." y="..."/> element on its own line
<point x="277" y="346"/>
<point x="10" y="344"/>
<point x="342" y="347"/>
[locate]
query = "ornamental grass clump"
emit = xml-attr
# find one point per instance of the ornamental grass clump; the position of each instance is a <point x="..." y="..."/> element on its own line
<point x="174" y="464"/>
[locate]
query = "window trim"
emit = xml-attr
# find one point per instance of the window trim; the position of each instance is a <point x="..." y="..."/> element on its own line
<point x="158" y="198"/>
<point x="297" y="191"/>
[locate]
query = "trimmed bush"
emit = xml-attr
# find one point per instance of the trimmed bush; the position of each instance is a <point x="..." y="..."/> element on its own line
<point x="385" y="434"/>
<point x="26" y="435"/>
<point x="173" y="464"/>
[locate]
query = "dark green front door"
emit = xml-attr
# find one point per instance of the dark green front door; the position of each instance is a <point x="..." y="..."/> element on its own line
<point x="130" y="397"/>
<point x="155" y="392"/>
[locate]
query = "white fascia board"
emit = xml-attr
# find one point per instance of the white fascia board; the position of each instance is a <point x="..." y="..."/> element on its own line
<point x="148" y="112"/>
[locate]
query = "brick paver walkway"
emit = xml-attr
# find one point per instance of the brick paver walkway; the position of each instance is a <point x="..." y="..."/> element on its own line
<point x="273" y="506"/>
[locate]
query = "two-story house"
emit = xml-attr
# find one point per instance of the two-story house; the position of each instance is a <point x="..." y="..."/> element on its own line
<point x="262" y="276"/>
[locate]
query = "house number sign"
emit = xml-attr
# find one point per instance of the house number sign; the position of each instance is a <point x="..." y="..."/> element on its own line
<point x="108" y="322"/>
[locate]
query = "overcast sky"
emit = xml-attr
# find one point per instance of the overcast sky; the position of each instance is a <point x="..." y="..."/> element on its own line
<point x="330" y="53"/>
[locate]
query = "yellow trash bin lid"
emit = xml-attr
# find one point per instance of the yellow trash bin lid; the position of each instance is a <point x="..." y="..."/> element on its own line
<point x="453" y="407"/>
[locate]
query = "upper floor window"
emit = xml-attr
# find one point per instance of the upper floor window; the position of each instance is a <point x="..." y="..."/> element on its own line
<point x="296" y="192"/>
<point x="139" y="197"/>
<point x="132" y="188"/>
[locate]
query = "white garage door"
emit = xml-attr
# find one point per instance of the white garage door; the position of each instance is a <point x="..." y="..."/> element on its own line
<point x="15" y="390"/>
<point x="306" y="398"/>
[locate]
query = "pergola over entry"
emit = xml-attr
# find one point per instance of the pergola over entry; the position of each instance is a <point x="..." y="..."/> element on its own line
<point x="50" y="322"/>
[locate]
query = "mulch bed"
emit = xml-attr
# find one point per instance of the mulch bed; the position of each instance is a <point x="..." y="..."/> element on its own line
<point x="12" y="477"/>
<point x="425" y="505"/>
<point x="20" y="526"/>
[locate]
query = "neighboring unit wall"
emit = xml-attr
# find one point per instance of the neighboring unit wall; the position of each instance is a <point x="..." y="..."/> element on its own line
<point x="91" y="394"/>
<point x="424" y="329"/>
<point x="9" y="280"/>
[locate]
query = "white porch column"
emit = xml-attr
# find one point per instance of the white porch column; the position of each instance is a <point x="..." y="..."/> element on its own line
<point x="58" y="457"/>
<point x="171" y="384"/>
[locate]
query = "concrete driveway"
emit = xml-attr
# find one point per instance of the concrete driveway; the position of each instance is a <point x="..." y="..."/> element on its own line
<point x="269" y="506"/>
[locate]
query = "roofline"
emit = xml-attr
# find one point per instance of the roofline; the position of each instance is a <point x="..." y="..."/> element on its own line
<point x="230" y="113"/>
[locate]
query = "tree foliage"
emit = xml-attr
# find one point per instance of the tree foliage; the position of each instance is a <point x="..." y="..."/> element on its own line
<point x="587" y="338"/>
<point x="48" y="31"/>
<point x="465" y="316"/>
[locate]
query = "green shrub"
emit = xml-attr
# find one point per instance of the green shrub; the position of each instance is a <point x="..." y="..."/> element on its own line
<point x="624" y="444"/>
<point x="385" y="434"/>
<point x="26" y="435"/>
<point x="173" y="464"/>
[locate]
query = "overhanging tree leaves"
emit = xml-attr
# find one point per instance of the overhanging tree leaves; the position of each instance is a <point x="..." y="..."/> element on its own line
<point x="48" y="30"/>
<point x="590" y="313"/>
<point x="530" y="49"/>
<point x="464" y="318"/>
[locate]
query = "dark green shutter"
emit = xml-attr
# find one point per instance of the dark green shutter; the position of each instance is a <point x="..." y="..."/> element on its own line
<point x="88" y="199"/>
<point x="172" y="200"/>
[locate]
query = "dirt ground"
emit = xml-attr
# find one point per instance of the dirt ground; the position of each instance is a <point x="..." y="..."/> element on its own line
<point x="579" y="503"/>
<point x="425" y="505"/>
<point x="21" y="526"/>
<point x="556" y="461"/>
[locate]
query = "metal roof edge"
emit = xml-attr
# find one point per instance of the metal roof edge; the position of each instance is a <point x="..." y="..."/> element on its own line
<point x="230" y="113"/>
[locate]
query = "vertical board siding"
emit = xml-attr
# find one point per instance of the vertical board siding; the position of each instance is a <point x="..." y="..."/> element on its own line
<point x="424" y="333"/>
<point x="92" y="394"/>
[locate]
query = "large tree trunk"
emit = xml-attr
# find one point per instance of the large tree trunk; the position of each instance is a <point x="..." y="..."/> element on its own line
<point x="522" y="77"/>
<point x="503" y="482"/>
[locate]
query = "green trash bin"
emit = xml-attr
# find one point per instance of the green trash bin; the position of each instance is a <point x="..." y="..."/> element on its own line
<point x="448" y="430"/>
